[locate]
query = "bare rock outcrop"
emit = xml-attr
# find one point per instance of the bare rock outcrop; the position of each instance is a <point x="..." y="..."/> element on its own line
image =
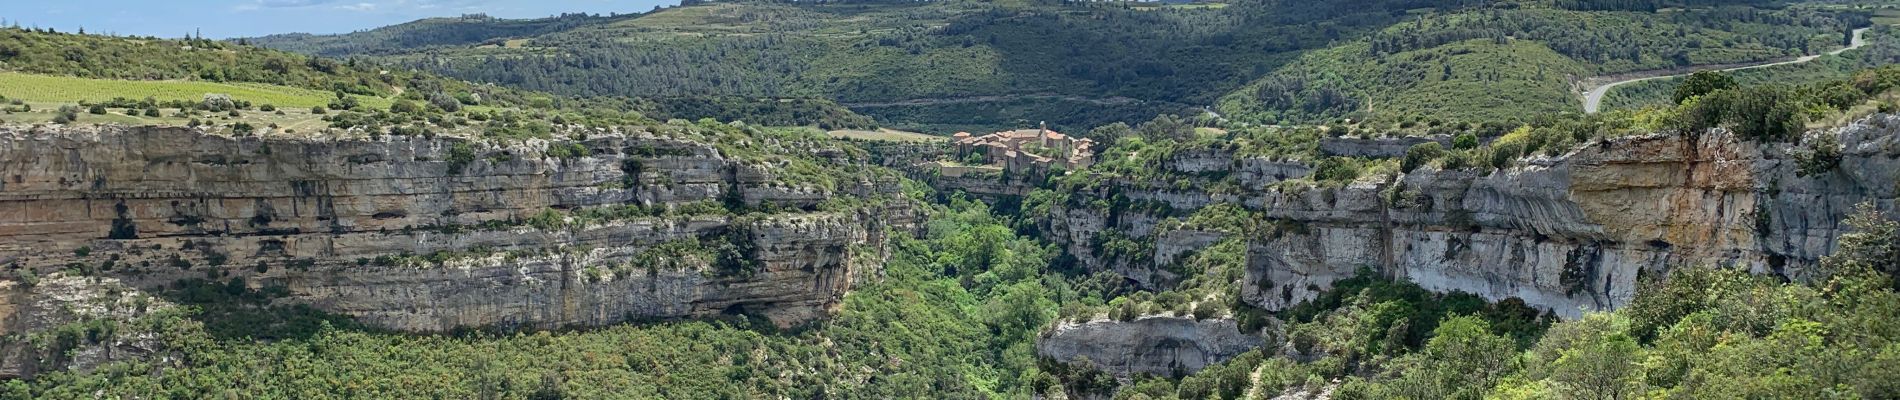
<point x="1565" y="233"/>
<point x="435" y="233"/>
<point x="77" y="322"/>
<point x="1160" y="345"/>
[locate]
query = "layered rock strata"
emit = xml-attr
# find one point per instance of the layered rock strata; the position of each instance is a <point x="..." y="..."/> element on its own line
<point x="1566" y="233"/>
<point x="1159" y="345"/>
<point x="432" y="234"/>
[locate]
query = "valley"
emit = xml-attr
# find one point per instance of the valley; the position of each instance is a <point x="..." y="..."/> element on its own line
<point x="1245" y="199"/>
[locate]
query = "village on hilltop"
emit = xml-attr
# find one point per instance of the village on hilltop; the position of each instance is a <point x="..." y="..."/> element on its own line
<point x="1020" y="151"/>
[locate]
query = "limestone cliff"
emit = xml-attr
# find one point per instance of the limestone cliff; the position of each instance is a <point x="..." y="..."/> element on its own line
<point x="73" y="322"/>
<point x="1159" y="345"/>
<point x="432" y="234"/>
<point x="1565" y="233"/>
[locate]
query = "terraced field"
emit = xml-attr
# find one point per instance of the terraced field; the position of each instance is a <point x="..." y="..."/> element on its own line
<point x="890" y="135"/>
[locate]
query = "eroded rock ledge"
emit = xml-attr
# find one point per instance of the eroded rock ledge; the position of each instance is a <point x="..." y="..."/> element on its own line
<point x="1566" y="233"/>
<point x="1159" y="345"/>
<point x="432" y="234"/>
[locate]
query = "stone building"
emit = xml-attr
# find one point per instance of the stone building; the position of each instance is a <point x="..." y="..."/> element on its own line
<point x="1025" y="150"/>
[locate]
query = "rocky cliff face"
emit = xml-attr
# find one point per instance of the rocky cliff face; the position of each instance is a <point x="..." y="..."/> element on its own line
<point x="1564" y="233"/>
<point x="432" y="234"/>
<point x="1159" y="345"/>
<point x="62" y="314"/>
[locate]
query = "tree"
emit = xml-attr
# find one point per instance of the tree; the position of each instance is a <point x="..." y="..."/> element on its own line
<point x="1601" y="370"/>
<point x="445" y="102"/>
<point x="66" y="115"/>
<point x="1594" y="357"/>
<point x="1821" y="154"/>
<point x="404" y="106"/>
<point x="1167" y="127"/>
<point x="1503" y="153"/>
<point x="1464" y="141"/>
<point x="1462" y="360"/>
<point x="218" y="103"/>
<point x="1873" y="244"/>
<point x="1766" y="113"/>
<point x="1701" y="83"/>
<point x="1420" y="154"/>
<point x="1108" y="134"/>
<point x="1336" y="169"/>
<point x="343" y="101"/>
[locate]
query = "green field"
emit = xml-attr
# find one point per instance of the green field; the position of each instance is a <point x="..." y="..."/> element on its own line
<point x="888" y="135"/>
<point x="63" y="89"/>
<point x="1887" y="17"/>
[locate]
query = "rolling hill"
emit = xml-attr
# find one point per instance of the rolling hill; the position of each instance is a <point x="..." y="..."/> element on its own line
<point x="965" y="65"/>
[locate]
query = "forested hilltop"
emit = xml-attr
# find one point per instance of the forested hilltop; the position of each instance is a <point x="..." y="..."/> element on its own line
<point x="970" y="65"/>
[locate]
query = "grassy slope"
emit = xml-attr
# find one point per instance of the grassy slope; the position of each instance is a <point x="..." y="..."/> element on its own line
<point x="426" y="33"/>
<point x="1883" y="48"/>
<point x="1487" y="81"/>
<point x="1025" y="62"/>
<point x="48" y="88"/>
<point x="1490" y="81"/>
<point x="1168" y="61"/>
<point x="886" y="135"/>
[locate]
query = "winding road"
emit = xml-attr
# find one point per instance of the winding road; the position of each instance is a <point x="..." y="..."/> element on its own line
<point x="1594" y="99"/>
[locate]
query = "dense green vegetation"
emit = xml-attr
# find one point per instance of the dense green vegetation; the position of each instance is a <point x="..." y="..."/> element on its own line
<point x="1138" y="63"/>
<point x="953" y="317"/>
<point x="1696" y="332"/>
<point x="957" y="312"/>
<point x="967" y="65"/>
<point x="153" y="59"/>
<point x="49" y="88"/>
<point x="51" y="69"/>
<point x="1380" y="339"/>
<point x="1883" y="48"/>
<point x="770" y="112"/>
<point x="957" y="309"/>
<point x="1505" y="62"/>
<point x="464" y="30"/>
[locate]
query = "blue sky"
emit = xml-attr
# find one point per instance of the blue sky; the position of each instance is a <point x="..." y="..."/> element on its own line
<point x="235" y="18"/>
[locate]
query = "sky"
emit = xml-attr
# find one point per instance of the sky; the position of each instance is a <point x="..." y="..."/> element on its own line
<point x="243" y="18"/>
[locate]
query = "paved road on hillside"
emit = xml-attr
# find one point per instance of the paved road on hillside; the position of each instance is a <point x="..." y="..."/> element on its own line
<point x="1594" y="99"/>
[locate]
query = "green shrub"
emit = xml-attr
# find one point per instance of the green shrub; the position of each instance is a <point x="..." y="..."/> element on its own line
<point x="1420" y="154"/>
<point x="1464" y="141"/>
<point x="1336" y="169"/>
<point x="460" y="154"/>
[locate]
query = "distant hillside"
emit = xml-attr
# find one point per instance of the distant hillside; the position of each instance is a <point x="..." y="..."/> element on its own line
<point x="1076" y="60"/>
<point x="134" y="80"/>
<point x="1883" y="48"/>
<point x="1501" y="63"/>
<point x="969" y="65"/>
<point x="472" y="29"/>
